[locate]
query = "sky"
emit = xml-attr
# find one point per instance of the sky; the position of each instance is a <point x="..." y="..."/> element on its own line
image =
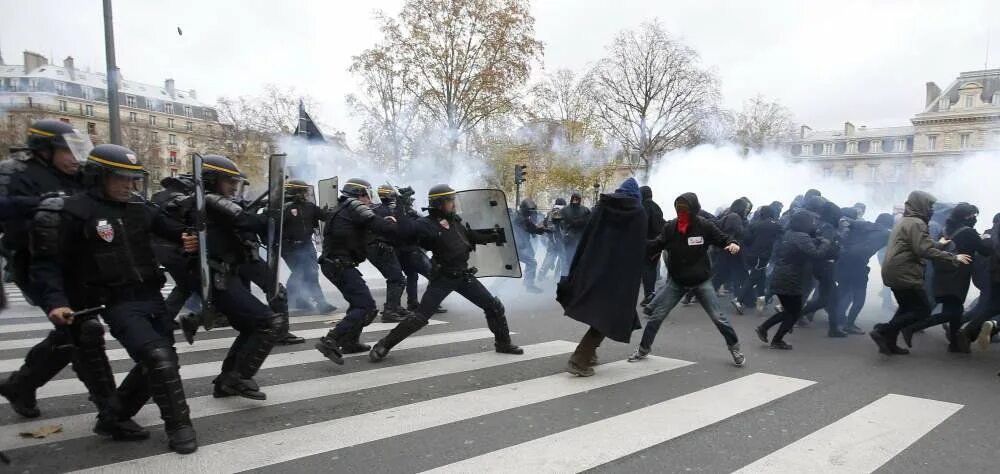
<point x="828" y="61"/>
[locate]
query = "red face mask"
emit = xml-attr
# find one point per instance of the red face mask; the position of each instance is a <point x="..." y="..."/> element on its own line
<point x="683" y="221"/>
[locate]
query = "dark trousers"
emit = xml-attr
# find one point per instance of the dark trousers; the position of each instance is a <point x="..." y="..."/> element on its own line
<point x="913" y="307"/>
<point x="527" y="257"/>
<point x="140" y="325"/>
<point x="383" y="258"/>
<point x="984" y="311"/>
<point x="415" y="263"/>
<point x="361" y="308"/>
<point x="303" y="281"/>
<point x="246" y="314"/>
<point x="650" y="272"/>
<point x="587" y="348"/>
<point x="754" y="286"/>
<point x="825" y="298"/>
<point x="791" y="309"/>
<point x="852" y="289"/>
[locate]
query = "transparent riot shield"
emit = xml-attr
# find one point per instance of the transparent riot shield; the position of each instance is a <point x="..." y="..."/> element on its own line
<point x="327" y="192"/>
<point x="485" y="209"/>
<point x="275" y="219"/>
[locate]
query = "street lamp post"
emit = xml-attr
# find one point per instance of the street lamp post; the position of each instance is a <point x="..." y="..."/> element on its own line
<point x="113" y="76"/>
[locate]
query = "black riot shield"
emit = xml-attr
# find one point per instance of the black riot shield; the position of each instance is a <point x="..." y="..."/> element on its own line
<point x="485" y="209"/>
<point x="275" y="219"/>
<point x="207" y="316"/>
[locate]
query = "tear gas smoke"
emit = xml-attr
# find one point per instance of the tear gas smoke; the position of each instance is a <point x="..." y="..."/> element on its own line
<point x="972" y="179"/>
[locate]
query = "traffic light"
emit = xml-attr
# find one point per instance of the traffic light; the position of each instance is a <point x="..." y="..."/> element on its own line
<point x="519" y="174"/>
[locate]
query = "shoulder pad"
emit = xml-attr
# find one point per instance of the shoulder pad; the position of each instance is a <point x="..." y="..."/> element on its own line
<point x="54" y="204"/>
<point x="359" y="210"/>
<point x="222" y="204"/>
<point x="12" y="165"/>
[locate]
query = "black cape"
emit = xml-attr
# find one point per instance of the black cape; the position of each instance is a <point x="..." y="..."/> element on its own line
<point x="602" y="287"/>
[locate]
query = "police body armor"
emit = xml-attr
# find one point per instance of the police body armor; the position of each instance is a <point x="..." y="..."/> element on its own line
<point x="300" y="216"/>
<point x="225" y="244"/>
<point x="346" y="233"/>
<point x="117" y="254"/>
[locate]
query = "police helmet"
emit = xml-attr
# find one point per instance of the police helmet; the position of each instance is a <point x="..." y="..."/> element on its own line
<point x="356" y="187"/>
<point x="115" y="159"/>
<point x="439" y="194"/>
<point x="527" y="206"/>
<point x="46" y="135"/>
<point x="216" y="167"/>
<point x="387" y="192"/>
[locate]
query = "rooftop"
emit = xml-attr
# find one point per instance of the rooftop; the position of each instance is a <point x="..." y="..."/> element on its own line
<point x="860" y="132"/>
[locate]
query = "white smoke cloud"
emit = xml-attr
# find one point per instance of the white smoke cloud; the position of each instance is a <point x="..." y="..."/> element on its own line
<point x="972" y="179"/>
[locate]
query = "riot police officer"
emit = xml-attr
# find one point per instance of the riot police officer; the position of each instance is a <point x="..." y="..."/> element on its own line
<point x="382" y="255"/>
<point x="301" y="220"/>
<point x="344" y="248"/>
<point x="56" y="151"/>
<point x="412" y="259"/>
<point x="171" y="200"/>
<point x="525" y="230"/>
<point x="94" y="249"/>
<point x="450" y="243"/>
<point x="232" y="243"/>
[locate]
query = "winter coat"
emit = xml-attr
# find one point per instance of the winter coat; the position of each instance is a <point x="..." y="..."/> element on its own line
<point x="953" y="281"/>
<point x="864" y="239"/>
<point x="687" y="254"/>
<point x="653" y="213"/>
<point x="603" y="282"/>
<point x="910" y="244"/>
<point x="761" y="236"/>
<point x="793" y="256"/>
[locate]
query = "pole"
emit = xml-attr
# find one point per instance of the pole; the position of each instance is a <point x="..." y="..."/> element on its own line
<point x="114" y="117"/>
<point x="517" y="194"/>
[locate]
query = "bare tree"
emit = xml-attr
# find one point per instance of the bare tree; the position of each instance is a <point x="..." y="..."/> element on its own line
<point x="464" y="59"/>
<point x="388" y="107"/>
<point x="560" y="96"/>
<point x="651" y="92"/>
<point x="762" y="122"/>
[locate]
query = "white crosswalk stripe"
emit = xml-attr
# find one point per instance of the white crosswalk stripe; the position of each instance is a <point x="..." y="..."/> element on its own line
<point x="862" y="441"/>
<point x="45" y="326"/>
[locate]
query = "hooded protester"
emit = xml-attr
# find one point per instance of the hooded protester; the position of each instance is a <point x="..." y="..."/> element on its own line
<point x="951" y="284"/>
<point x="614" y="242"/>
<point x="864" y="239"/>
<point x="903" y="271"/>
<point x="686" y="240"/>
<point x="575" y="217"/>
<point x="798" y="248"/>
<point x="983" y="317"/>
<point x="525" y="229"/>
<point x="650" y="270"/>
<point x="555" y="240"/>
<point x="860" y="208"/>
<point x="759" y="242"/>
<point x="792" y="209"/>
<point x="826" y="296"/>
<point x="730" y="271"/>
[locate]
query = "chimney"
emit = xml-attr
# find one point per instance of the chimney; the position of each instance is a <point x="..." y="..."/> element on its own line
<point x="193" y="94"/>
<point x="33" y="61"/>
<point x="933" y="92"/>
<point x="68" y="64"/>
<point x="848" y="129"/>
<point x="804" y="130"/>
<point x="169" y="86"/>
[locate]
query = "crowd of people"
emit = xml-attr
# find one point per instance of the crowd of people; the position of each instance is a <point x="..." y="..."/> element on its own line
<point x="84" y="246"/>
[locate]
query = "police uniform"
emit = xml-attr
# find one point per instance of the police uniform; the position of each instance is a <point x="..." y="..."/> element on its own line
<point x="31" y="179"/>
<point x="382" y="255"/>
<point x="450" y="243"/>
<point x="90" y="250"/>
<point x="345" y="238"/>
<point x="231" y="237"/>
<point x="171" y="200"/>
<point x="524" y="231"/>
<point x="301" y="220"/>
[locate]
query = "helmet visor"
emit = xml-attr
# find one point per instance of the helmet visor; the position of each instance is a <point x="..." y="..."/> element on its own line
<point x="79" y="144"/>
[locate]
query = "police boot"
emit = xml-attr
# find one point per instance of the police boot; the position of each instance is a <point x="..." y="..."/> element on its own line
<point x="20" y="396"/>
<point x="327" y="345"/>
<point x="325" y="308"/>
<point x="393" y="312"/>
<point x="398" y="333"/>
<point x="350" y="342"/>
<point x="284" y="337"/>
<point x="133" y="391"/>
<point x="501" y="334"/>
<point x="164" y="378"/>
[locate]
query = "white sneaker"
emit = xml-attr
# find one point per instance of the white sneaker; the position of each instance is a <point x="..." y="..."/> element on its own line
<point x="638" y="355"/>
<point x="761" y="304"/>
<point x="984" y="335"/>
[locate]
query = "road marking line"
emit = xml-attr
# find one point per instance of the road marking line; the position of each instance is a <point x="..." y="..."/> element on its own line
<point x="79" y="426"/>
<point x="274" y="447"/>
<point x="600" y="442"/>
<point x="28" y="327"/>
<point x="860" y="442"/>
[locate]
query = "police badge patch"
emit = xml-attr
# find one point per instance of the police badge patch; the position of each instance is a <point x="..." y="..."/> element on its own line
<point x="105" y="231"/>
<point x="295" y="212"/>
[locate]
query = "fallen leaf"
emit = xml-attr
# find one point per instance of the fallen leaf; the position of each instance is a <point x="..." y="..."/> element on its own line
<point x="43" y="432"/>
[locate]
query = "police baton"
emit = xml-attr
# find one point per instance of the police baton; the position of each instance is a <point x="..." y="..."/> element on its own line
<point x="81" y="314"/>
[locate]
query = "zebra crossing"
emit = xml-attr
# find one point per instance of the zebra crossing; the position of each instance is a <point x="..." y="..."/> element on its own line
<point x="300" y="382"/>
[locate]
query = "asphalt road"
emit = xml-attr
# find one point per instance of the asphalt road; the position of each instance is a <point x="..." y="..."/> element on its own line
<point x="444" y="401"/>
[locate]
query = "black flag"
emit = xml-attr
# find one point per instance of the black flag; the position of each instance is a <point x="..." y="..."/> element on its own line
<point x="307" y="128"/>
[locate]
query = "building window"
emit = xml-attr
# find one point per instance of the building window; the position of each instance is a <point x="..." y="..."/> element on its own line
<point x="968" y="101"/>
<point x="133" y="117"/>
<point x="900" y="145"/>
<point x="63" y="120"/>
<point x="33" y="84"/>
<point x="173" y="173"/>
<point x="62" y="105"/>
<point x="172" y="139"/>
<point x="91" y="128"/>
<point x="152" y="120"/>
<point x="963" y="140"/>
<point x="190" y="141"/>
<point x="189" y="126"/>
<point x="89" y="110"/>
<point x="873" y="172"/>
<point x="876" y="146"/>
<point x="827" y="171"/>
<point x="187" y="110"/>
<point x="149" y="104"/>
<point x="928" y="170"/>
<point x="849" y="173"/>
<point x="88" y="93"/>
<point x="60" y="88"/>
<point x="173" y="157"/>
<point x="852" y="148"/>
<point x="156" y="138"/>
<point x="130" y="101"/>
<point x="897" y="172"/>
<point x="806" y="150"/>
<point x="828" y="148"/>
<point x="168" y="108"/>
<point x="170" y="123"/>
<point x="932" y="141"/>
<point x="943" y="105"/>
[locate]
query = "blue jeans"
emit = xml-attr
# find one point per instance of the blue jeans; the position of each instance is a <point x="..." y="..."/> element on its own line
<point x="668" y="294"/>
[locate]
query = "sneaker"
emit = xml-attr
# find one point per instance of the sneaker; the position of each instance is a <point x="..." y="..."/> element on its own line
<point x="760" y="305"/>
<point x="761" y="333"/>
<point x="880" y="341"/>
<point x="578" y="370"/>
<point x="736" y="304"/>
<point x="779" y="308"/>
<point x="738" y="358"/>
<point x="639" y="354"/>
<point x="781" y="345"/>
<point x="687" y="300"/>
<point x="325" y="308"/>
<point x="983" y="341"/>
<point x="853" y="329"/>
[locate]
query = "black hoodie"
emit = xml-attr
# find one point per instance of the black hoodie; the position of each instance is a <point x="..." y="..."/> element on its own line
<point x="760" y="237"/>
<point x="795" y="253"/>
<point x="687" y="254"/>
<point x="653" y="213"/>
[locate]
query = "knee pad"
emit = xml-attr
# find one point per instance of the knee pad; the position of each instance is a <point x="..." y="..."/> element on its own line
<point x="159" y="356"/>
<point x="275" y="323"/>
<point x="495" y="309"/>
<point x="91" y="333"/>
<point x="370" y="315"/>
